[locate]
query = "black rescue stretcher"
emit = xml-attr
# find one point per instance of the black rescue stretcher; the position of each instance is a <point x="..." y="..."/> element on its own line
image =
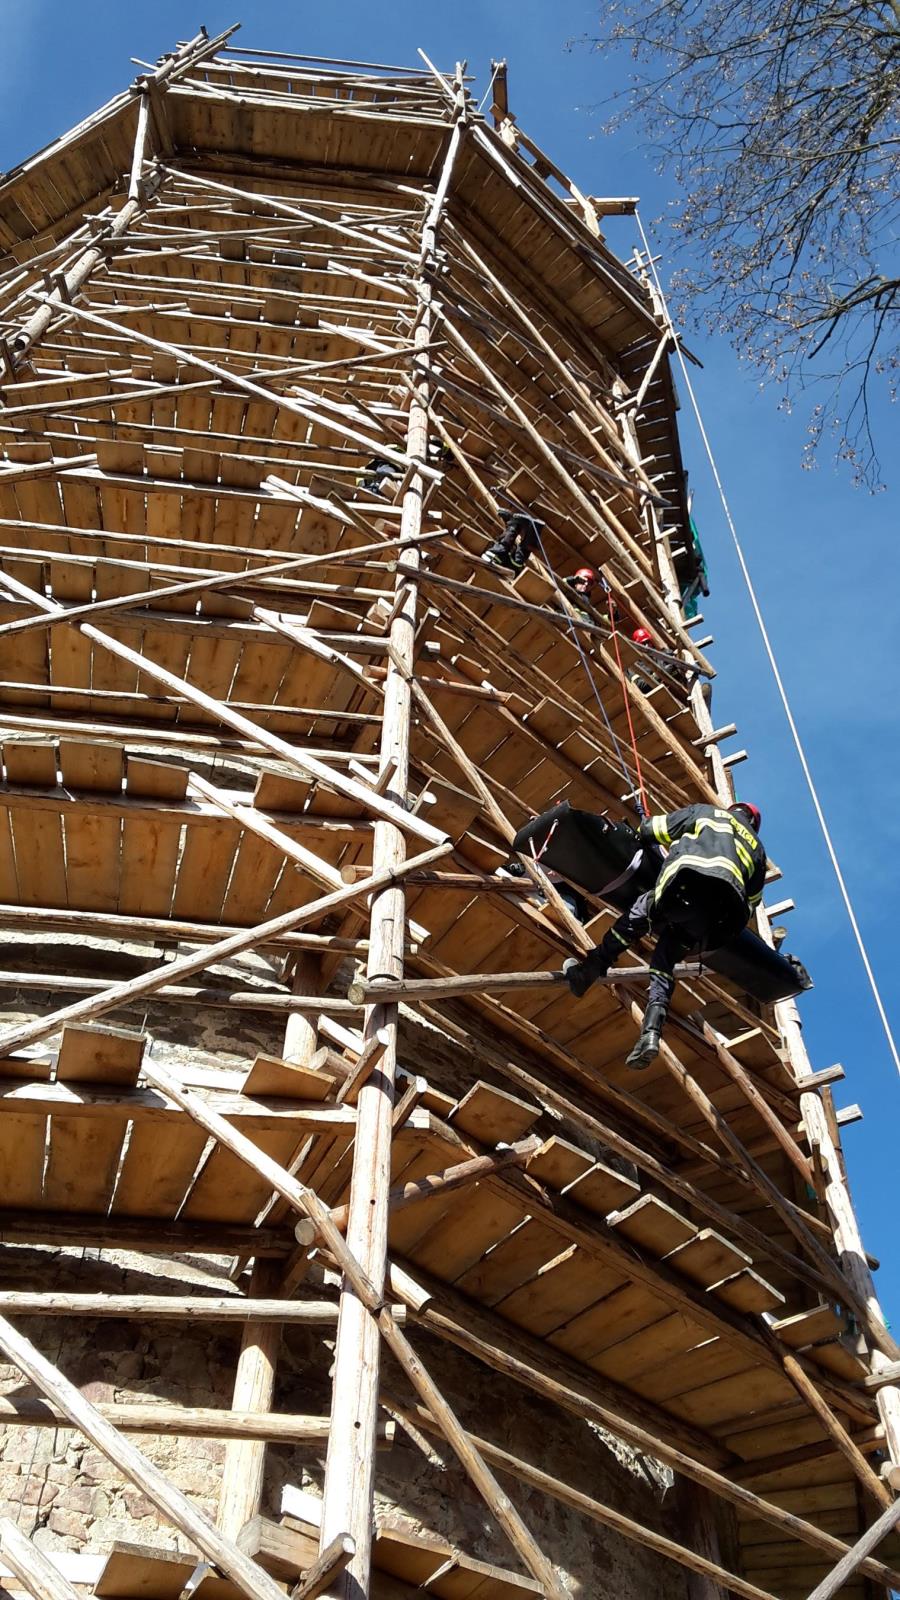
<point x="608" y="859"/>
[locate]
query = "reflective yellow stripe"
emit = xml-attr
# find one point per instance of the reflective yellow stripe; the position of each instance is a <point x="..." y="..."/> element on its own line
<point x="699" y="864"/>
<point x="711" y="822"/>
<point x="660" y="831"/>
<point x="745" y="856"/>
<point x="622" y="941"/>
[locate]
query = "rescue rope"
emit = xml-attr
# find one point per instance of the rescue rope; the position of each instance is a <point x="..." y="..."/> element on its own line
<point x="629" y="780"/>
<point x="779" y="682"/>
<point x="631" y="734"/>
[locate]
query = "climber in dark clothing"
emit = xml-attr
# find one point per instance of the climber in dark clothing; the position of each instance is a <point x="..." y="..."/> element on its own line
<point x="519" y="539"/>
<point x="710" y="881"/>
<point x="379" y="476"/>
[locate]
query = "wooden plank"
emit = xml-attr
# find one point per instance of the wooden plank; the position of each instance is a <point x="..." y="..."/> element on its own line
<point x="602" y="1190"/>
<point x="653" y="1225"/>
<point x="558" y="1163"/>
<point x="493" y="1115"/>
<point x="270" y="1075"/>
<point x="473" y="1223"/>
<point x="511" y="1262"/>
<point x="707" y="1258"/>
<point x="823" y="1321"/>
<point x="558" y="1294"/>
<point x="747" y="1291"/>
<point x="92" y="1054"/>
<point x="285" y="1551"/>
<point x="157" y="1170"/>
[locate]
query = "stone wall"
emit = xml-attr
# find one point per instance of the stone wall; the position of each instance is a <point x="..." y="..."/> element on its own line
<point x="63" y="1490"/>
<point x="58" y="1487"/>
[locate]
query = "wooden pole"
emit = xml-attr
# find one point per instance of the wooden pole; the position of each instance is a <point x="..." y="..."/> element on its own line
<point x="142" y="1472"/>
<point x="847" y="1236"/>
<point x="704" y="1534"/>
<point x="349" y="1471"/>
<point x="42" y="1580"/>
<point x="606" y="1516"/>
<point x="739" y="1075"/>
<point x="455" y="1177"/>
<point x="363" y="992"/>
<point x="772" y="1194"/>
<point x="366" y="798"/>
<point x="836" y="1431"/>
<point x="173" y="1308"/>
<point x="119" y="994"/>
<point x="240" y="1494"/>
<point x="328" y="1565"/>
<point x="855" y="1559"/>
<point x="190" y="1422"/>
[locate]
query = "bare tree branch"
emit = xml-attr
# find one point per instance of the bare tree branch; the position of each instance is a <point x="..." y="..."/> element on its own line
<point x="781" y="120"/>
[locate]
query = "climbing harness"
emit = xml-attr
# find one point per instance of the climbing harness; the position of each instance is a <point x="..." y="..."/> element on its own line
<point x="779" y="682"/>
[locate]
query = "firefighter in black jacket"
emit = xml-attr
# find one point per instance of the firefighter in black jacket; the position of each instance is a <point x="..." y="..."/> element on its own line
<point x="710" y="881"/>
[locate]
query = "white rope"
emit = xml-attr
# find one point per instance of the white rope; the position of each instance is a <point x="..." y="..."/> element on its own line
<point x="754" y="601"/>
<point x="490" y="85"/>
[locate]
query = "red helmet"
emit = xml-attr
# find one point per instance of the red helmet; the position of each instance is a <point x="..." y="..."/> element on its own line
<point x="641" y="636"/>
<point x="585" y="575"/>
<point x="751" y="812"/>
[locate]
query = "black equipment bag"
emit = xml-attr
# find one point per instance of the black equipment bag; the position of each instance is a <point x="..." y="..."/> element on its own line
<point x="608" y="859"/>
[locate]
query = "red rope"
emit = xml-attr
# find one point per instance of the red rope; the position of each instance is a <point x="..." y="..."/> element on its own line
<point x="634" y="749"/>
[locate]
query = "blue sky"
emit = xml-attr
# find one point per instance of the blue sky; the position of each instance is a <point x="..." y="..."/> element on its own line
<point x="823" y="553"/>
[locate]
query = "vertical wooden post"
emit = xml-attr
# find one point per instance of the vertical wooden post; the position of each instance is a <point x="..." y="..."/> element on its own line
<point x="300" y="1035"/>
<point x="703" y="1536"/>
<point x="240" y="1496"/>
<point x="845" y="1227"/>
<point x="349" y="1475"/>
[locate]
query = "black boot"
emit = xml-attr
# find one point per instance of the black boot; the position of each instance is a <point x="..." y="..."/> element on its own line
<point x="496" y="556"/>
<point x="581" y="974"/>
<point x="647" y="1047"/>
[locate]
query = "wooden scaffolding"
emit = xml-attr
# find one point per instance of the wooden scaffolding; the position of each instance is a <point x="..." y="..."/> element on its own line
<point x="281" y="339"/>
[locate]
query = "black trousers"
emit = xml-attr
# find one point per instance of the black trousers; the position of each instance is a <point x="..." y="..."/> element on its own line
<point x="518" y="533"/>
<point x="702" y="913"/>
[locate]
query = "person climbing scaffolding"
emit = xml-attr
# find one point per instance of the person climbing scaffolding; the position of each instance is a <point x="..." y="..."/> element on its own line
<point x="519" y="540"/>
<point x="379" y="476"/>
<point x="711" y="880"/>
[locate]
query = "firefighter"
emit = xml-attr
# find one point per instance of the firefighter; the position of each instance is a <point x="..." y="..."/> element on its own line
<point x="379" y="477"/>
<point x="708" y="884"/>
<point x="520" y="537"/>
<point x="641" y="638"/>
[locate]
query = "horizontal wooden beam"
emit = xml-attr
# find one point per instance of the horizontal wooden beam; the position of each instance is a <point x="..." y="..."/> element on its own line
<point x="190" y="1422"/>
<point x="150" y="1105"/>
<point x="159" y="930"/>
<point x="381" y="990"/>
<point x="183" y="994"/>
<point x="156" y="1235"/>
<point x="164" y="1307"/>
